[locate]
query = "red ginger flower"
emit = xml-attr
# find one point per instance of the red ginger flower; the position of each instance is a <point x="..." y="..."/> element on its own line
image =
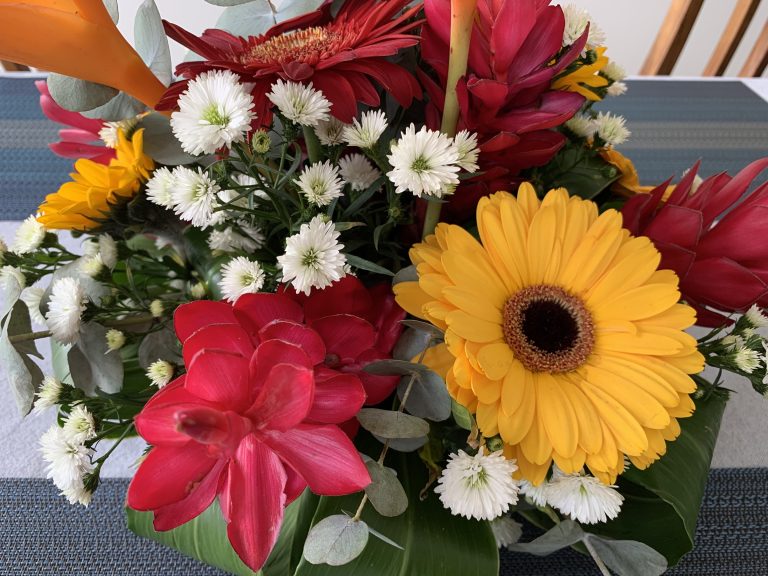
<point x="714" y="245"/>
<point x="252" y="422"/>
<point x="340" y="55"/>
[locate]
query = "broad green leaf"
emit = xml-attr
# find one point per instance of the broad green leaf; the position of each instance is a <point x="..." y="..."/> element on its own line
<point x="583" y="173"/>
<point x="562" y="535"/>
<point x="391" y="424"/>
<point x="628" y="558"/>
<point x="434" y="542"/>
<point x="335" y="540"/>
<point x="404" y="444"/>
<point x="151" y="42"/>
<point x="428" y="397"/>
<point x="385" y="492"/>
<point x="78" y="95"/>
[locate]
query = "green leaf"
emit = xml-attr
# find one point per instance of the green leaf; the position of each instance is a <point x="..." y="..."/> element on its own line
<point x="364" y="264"/>
<point x="562" y="535"/>
<point x="151" y="42"/>
<point x="410" y="344"/>
<point x="628" y="558"/>
<point x="395" y="368"/>
<point x="434" y="542"/>
<point x="428" y="398"/>
<point x="119" y="108"/>
<point x="105" y="368"/>
<point x="385" y="491"/>
<point x="18" y="369"/>
<point x="160" y="345"/>
<point x="661" y="504"/>
<point x="112" y="8"/>
<point x="256" y="17"/>
<point x="336" y="540"/>
<point x="228" y="2"/>
<point x="390" y="424"/>
<point x="583" y="173"/>
<point x="78" y="95"/>
<point x="461" y="415"/>
<point x="407" y="274"/>
<point x="404" y="444"/>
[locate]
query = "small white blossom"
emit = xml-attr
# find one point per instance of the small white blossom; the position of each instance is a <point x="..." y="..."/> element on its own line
<point x="732" y="342"/>
<point x="156" y="308"/>
<point x="424" y="163"/>
<point x="616" y="89"/>
<point x="29" y="236"/>
<point x="261" y="143"/>
<point x="358" y="171"/>
<point x="611" y="128"/>
<point x="582" y="126"/>
<point x="65" y="309"/>
<point x="330" y="132"/>
<point x="109" y="132"/>
<point x="79" y="425"/>
<point x="576" y="21"/>
<point x="160" y="373"/>
<point x="480" y="486"/>
<point x="246" y="238"/>
<point x="3" y="250"/>
<point x="160" y="187"/>
<point x="320" y="183"/>
<point x="195" y="196"/>
<point x="78" y="494"/>
<point x="32" y="296"/>
<point x="756" y="317"/>
<point x="67" y="462"/>
<point x="12" y="278"/>
<point x="747" y="360"/>
<point x="466" y="146"/>
<point x="115" y="340"/>
<point x="299" y="103"/>
<point x="91" y="265"/>
<point x="197" y="291"/>
<point x="583" y="498"/>
<point x="614" y="71"/>
<point x="365" y="133"/>
<point x="214" y="112"/>
<point x="108" y="250"/>
<point x="313" y="257"/>
<point x="506" y="531"/>
<point x="241" y="276"/>
<point x="49" y="394"/>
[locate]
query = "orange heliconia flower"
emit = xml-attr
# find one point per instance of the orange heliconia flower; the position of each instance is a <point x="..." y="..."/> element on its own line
<point x="76" y="38"/>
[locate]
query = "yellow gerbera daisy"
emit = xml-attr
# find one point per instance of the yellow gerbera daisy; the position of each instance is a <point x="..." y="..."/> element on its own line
<point x="95" y="188"/>
<point x="583" y="79"/>
<point x="566" y="339"/>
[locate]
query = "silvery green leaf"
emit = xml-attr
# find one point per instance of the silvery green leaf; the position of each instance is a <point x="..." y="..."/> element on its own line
<point x="390" y="424"/>
<point x="407" y="274"/>
<point x="461" y="415"/>
<point x="436" y="333"/>
<point x="228" y="2"/>
<point x="410" y="344"/>
<point x="384" y="539"/>
<point x="363" y="264"/>
<point x="627" y="557"/>
<point x="160" y="143"/>
<point x="19" y="322"/>
<point x="395" y="368"/>
<point x="344" y="226"/>
<point x="428" y="398"/>
<point x="80" y="371"/>
<point x="160" y="345"/>
<point x="336" y="540"/>
<point x="78" y="95"/>
<point x="385" y="491"/>
<point x="151" y="42"/>
<point x="403" y="444"/>
<point x="10" y="290"/>
<point x="114" y="11"/>
<point x="562" y="535"/>
<point x="21" y="372"/>
<point x="119" y="108"/>
<point x="106" y="367"/>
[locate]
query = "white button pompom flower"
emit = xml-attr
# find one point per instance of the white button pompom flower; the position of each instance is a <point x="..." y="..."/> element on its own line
<point x="115" y="339"/>
<point x="478" y="487"/>
<point x="466" y="146"/>
<point x="241" y="276"/>
<point x="301" y="104"/>
<point x="611" y="128"/>
<point x="358" y="171"/>
<point x="576" y="21"/>
<point x="756" y="317"/>
<point x="582" y="126"/>
<point x="79" y="425"/>
<point x="581" y="497"/>
<point x="160" y="373"/>
<point x="68" y="463"/>
<point x="49" y="394"/>
<point x="365" y="133"/>
<point x="320" y="183"/>
<point x="65" y="310"/>
<point x="424" y="163"/>
<point x="330" y="132"/>
<point x="29" y="236"/>
<point x="108" y="251"/>
<point x="313" y="257"/>
<point x="214" y="112"/>
<point x="160" y="187"/>
<point x="195" y="196"/>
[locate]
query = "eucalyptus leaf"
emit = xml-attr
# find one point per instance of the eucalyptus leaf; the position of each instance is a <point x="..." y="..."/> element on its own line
<point x="364" y="264"/>
<point x="562" y="535"/>
<point x="390" y="424"/>
<point x="336" y="540"/>
<point x="228" y="2"/>
<point x="112" y="8"/>
<point x="121" y="107"/>
<point x="344" y="226"/>
<point x="628" y="558"/>
<point x="80" y="371"/>
<point x="407" y="274"/>
<point x="78" y="95"/>
<point x="428" y="397"/>
<point x="422" y="326"/>
<point x="160" y="345"/>
<point x="411" y="343"/>
<point x="160" y="143"/>
<point x="404" y="444"/>
<point x="385" y="491"/>
<point x="16" y="371"/>
<point x="256" y="17"/>
<point x="395" y="368"/>
<point x="10" y="290"/>
<point x="151" y="42"/>
<point x="106" y="367"/>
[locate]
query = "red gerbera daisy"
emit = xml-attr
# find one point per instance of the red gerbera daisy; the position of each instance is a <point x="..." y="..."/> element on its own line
<point x="340" y="55"/>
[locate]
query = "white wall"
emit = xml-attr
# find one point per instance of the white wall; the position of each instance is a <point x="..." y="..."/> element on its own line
<point x="630" y="25"/>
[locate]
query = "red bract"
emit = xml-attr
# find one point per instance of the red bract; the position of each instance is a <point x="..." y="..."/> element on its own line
<point x="77" y="141"/>
<point x="714" y="243"/>
<point x="339" y="55"/>
<point x="253" y="422"/>
<point x="506" y="95"/>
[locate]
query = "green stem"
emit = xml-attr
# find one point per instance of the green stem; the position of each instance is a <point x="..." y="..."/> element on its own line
<point x="314" y="148"/>
<point x="131" y="321"/>
<point x="108" y="453"/>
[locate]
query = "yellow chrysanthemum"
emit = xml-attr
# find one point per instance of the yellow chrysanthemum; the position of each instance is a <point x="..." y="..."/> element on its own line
<point x="566" y="339"/>
<point x="87" y="199"/>
<point x="583" y="79"/>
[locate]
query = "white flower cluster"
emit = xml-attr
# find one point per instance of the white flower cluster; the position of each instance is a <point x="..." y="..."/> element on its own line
<point x="609" y="127"/>
<point x="299" y="103"/>
<point x="29" y="236"/>
<point x="576" y="21"/>
<point x="65" y="309"/>
<point x="427" y="162"/>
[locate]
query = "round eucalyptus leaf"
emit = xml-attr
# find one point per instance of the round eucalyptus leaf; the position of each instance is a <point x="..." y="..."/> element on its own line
<point x="336" y="540"/>
<point x="78" y="95"/>
<point x="390" y="424"/>
<point x="385" y="491"/>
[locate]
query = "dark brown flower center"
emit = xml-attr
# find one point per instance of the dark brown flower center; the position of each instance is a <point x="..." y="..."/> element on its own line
<point x="548" y="329"/>
<point x="308" y="45"/>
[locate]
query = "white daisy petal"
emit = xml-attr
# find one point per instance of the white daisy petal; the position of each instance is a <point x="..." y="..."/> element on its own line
<point x="109" y="132"/>
<point x="67" y="463"/>
<point x="320" y="183"/>
<point x="582" y="126"/>
<point x="108" y="250"/>
<point x="576" y="21"/>
<point x="195" y="196"/>
<point x="611" y="128"/>
<point x="241" y="276"/>
<point x="583" y="498"/>
<point x="79" y="425"/>
<point x="29" y="236"/>
<point x="756" y="317"/>
<point x="358" y="171"/>
<point x="466" y="146"/>
<point x="330" y="132"/>
<point x="365" y="133"/>
<point x="160" y="373"/>
<point x="65" y="309"/>
<point x="299" y="103"/>
<point x="49" y="394"/>
<point x="160" y="187"/>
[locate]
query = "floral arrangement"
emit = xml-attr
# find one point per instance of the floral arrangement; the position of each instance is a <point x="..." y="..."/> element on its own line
<point x="374" y="284"/>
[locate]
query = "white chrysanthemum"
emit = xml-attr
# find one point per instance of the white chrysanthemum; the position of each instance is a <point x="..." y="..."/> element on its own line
<point x="108" y="251"/>
<point x="49" y="394"/>
<point x="756" y="317"/>
<point x="536" y="494"/>
<point x="245" y="238"/>
<point x="91" y="265"/>
<point x="160" y="187"/>
<point x="12" y="277"/>
<point x="109" y="132"/>
<point x="156" y="308"/>
<point x="479" y="486"/>
<point x="313" y="257"/>
<point x="576" y="21"/>
<point x="466" y="146"/>
<point x="583" y="498"/>
<point x="747" y="360"/>
<point x="320" y="183"/>
<point x="506" y="531"/>
<point x="330" y="132"/>
<point x="424" y="162"/>
<point x="611" y="128"/>
<point x="214" y="112"/>
<point x="358" y="171"/>
<point x="32" y="296"/>
<point x="65" y="309"/>
<point x="616" y="89"/>
<point x="195" y="196"/>
<point x="78" y="494"/>
<point x="614" y="71"/>
<point x="241" y="276"/>
<point x="160" y="373"/>
<point x="79" y="425"/>
<point x="365" y="133"/>
<point x="67" y="462"/>
<point x="3" y="250"/>
<point x="115" y="339"/>
<point x="299" y="103"/>
<point x="29" y="236"/>
<point x="582" y="126"/>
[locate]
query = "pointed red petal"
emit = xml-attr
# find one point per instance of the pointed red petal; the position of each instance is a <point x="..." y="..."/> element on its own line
<point x="254" y="311"/>
<point x="189" y="318"/>
<point x="337" y="399"/>
<point x="298" y="335"/>
<point x="202" y="495"/>
<point x="285" y="398"/>
<point x="346" y="296"/>
<point x="221" y="377"/>
<point x="231" y="337"/>
<point x="344" y="335"/>
<point x="273" y="352"/>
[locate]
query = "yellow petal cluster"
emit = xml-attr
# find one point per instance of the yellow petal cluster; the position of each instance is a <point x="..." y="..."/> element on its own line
<point x="86" y="200"/>
<point x="586" y="77"/>
<point x="624" y="397"/>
